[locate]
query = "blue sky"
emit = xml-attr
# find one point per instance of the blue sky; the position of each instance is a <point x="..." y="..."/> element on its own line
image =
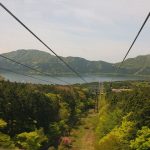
<point x="95" y="30"/>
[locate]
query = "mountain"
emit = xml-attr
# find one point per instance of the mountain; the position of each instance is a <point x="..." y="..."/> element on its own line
<point x="139" y="65"/>
<point x="43" y="61"/>
<point x="46" y="62"/>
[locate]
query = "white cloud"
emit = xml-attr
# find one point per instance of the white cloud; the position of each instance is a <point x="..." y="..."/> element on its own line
<point x="98" y="29"/>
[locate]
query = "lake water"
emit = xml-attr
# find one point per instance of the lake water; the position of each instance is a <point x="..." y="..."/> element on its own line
<point x="70" y="79"/>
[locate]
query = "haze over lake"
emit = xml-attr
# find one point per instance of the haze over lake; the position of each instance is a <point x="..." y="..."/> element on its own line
<point x="71" y="79"/>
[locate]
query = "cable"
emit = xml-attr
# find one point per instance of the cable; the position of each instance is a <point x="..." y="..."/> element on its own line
<point x="18" y="20"/>
<point x="47" y="74"/>
<point x="134" y="40"/>
<point x="117" y="68"/>
<point x="27" y="75"/>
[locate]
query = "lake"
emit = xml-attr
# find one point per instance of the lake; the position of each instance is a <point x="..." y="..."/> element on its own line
<point x="71" y="79"/>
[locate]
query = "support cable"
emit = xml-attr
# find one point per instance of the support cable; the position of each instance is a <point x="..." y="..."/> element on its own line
<point x="29" y="30"/>
<point x="134" y="40"/>
<point x="27" y="75"/>
<point x="31" y="68"/>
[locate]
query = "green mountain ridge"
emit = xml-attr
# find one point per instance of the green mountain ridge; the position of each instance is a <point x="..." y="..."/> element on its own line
<point x="139" y="65"/>
<point x="46" y="62"/>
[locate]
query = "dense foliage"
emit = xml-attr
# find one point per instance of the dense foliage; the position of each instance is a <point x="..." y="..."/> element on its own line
<point x="124" y="118"/>
<point x="37" y="116"/>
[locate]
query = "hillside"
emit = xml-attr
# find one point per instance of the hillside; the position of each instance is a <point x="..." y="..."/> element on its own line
<point x="139" y="65"/>
<point x="49" y="63"/>
<point x="46" y="62"/>
<point x="123" y="120"/>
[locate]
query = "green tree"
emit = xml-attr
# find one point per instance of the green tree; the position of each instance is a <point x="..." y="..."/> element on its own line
<point x="142" y="141"/>
<point x="3" y="124"/>
<point x="31" y="140"/>
<point x="119" y="137"/>
<point x="5" y="140"/>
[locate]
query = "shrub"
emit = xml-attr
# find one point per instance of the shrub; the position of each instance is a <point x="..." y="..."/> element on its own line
<point x="142" y="141"/>
<point x="32" y="140"/>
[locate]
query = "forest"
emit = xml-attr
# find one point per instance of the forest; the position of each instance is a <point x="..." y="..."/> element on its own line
<point x="34" y="117"/>
<point x="42" y="117"/>
<point x="79" y="42"/>
<point x="124" y="116"/>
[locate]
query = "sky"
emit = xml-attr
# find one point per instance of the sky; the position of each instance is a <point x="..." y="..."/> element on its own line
<point x="92" y="29"/>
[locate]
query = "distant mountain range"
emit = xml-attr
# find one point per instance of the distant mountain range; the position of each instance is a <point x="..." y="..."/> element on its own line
<point x="46" y="62"/>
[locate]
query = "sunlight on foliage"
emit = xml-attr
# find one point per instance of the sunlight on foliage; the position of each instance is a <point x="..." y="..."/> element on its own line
<point x="5" y="140"/>
<point x="3" y="124"/>
<point x="118" y="137"/>
<point x="32" y="140"/>
<point x="64" y="111"/>
<point x="107" y="120"/>
<point x="142" y="141"/>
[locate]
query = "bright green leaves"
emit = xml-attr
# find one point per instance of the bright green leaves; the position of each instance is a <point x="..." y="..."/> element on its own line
<point x="118" y="138"/>
<point x="142" y="141"/>
<point x="3" y="124"/>
<point x="32" y="140"/>
<point x="132" y="131"/>
<point x="5" y="140"/>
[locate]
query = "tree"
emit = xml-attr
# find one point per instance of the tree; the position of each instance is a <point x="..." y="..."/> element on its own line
<point x="142" y="141"/>
<point x="5" y="140"/>
<point x="3" y="124"/>
<point x="119" y="137"/>
<point x="31" y="140"/>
